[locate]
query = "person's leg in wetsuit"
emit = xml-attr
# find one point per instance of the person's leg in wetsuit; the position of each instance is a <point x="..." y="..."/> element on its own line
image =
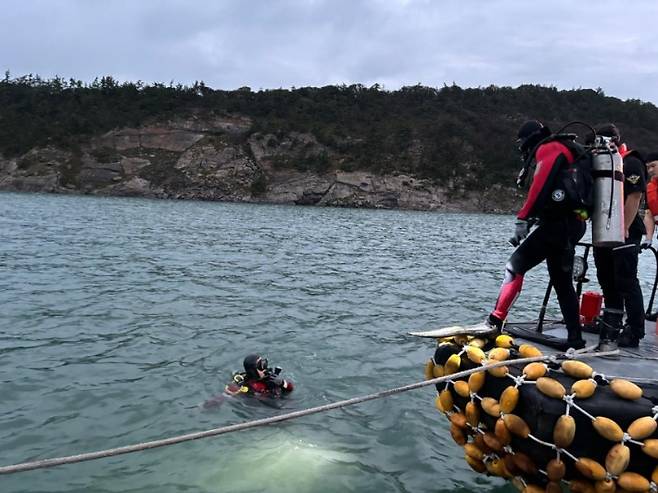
<point x="609" y="325"/>
<point x="626" y="258"/>
<point x="554" y="239"/>
<point x="560" y="270"/>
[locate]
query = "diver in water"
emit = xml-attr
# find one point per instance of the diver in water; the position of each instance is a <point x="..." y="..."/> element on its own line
<point x="259" y="379"/>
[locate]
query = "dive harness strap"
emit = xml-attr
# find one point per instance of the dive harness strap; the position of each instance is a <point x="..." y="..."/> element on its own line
<point x="606" y="173"/>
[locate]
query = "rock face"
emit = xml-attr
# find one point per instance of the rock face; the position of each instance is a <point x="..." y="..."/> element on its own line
<point x="220" y="158"/>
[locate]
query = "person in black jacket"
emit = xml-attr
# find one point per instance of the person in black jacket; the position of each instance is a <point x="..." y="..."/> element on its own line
<point x="616" y="268"/>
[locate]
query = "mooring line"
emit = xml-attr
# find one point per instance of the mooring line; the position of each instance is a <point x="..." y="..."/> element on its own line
<point x="57" y="461"/>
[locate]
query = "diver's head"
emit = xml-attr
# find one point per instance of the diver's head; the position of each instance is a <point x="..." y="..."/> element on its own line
<point x="255" y="366"/>
<point x="530" y="134"/>
<point x="611" y="131"/>
<point x="652" y="164"/>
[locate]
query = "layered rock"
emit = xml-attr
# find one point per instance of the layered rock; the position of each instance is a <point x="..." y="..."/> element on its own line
<point x="220" y="158"/>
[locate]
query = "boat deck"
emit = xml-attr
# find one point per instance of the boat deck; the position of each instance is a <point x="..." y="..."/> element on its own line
<point x="638" y="364"/>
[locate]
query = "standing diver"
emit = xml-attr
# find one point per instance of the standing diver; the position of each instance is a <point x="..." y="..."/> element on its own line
<point x="554" y="239"/>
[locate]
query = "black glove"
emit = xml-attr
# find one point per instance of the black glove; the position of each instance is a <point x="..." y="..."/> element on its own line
<point x="522" y="228"/>
<point x="277" y="381"/>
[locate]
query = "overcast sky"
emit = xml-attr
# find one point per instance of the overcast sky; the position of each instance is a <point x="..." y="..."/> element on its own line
<point x="283" y="43"/>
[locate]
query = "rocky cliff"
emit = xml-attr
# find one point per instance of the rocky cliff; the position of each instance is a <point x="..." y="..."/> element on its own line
<point x="224" y="159"/>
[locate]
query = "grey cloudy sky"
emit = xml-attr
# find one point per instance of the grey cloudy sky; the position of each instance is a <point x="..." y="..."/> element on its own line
<point x="282" y="43"/>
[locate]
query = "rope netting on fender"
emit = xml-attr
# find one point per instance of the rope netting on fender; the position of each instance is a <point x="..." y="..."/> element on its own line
<point x="570" y="445"/>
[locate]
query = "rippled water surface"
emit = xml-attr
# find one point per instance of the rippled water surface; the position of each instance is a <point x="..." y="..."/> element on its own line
<point x="118" y="317"/>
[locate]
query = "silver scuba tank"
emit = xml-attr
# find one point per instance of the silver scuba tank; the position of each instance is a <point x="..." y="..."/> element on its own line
<point x="608" y="194"/>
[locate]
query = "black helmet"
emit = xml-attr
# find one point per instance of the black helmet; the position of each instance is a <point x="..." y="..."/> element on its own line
<point x="529" y="135"/>
<point x="252" y="363"/>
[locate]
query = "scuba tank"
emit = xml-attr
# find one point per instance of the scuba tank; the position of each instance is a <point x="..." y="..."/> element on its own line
<point x="608" y="194"/>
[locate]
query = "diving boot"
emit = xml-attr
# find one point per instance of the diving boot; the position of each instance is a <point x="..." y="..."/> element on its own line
<point x="576" y="342"/>
<point x="493" y="322"/>
<point x="609" y="328"/>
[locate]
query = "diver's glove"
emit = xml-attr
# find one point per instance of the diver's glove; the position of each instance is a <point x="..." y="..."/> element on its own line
<point x="278" y="381"/>
<point x="646" y="243"/>
<point x="522" y="228"/>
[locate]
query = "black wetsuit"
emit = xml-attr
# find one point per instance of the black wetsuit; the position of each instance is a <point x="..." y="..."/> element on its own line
<point x="616" y="268"/>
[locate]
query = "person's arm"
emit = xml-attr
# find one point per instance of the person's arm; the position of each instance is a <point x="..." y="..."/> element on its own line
<point x="548" y="161"/>
<point x="650" y="225"/>
<point x="631" y="207"/>
<point x="634" y="185"/>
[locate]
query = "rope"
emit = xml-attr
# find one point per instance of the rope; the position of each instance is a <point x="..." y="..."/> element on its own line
<point x="57" y="461"/>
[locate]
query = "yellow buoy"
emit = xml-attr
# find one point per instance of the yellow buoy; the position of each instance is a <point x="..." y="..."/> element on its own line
<point x="477" y="342"/>
<point x="504" y="341"/>
<point x="499" y="371"/>
<point x="476" y="465"/>
<point x="502" y="433"/>
<point x="581" y="486"/>
<point x="577" y="369"/>
<point x="583" y="389"/>
<point x="499" y="354"/>
<point x="550" y="387"/>
<point x="607" y="428"/>
<point x="476" y="381"/>
<point x="508" y="399"/>
<point x="460" y="340"/>
<point x="461" y="387"/>
<point x="642" y="428"/>
<point x="617" y="459"/>
<point x="533" y="371"/>
<point x="516" y="425"/>
<point x="650" y="447"/>
<point x="444" y="401"/>
<point x="429" y="369"/>
<point x="438" y="371"/>
<point x="555" y="470"/>
<point x="529" y="351"/>
<point x="472" y="414"/>
<point x="633" y="481"/>
<point x="564" y="431"/>
<point x="590" y="469"/>
<point x="457" y="434"/>
<point x="472" y="450"/>
<point x="453" y="364"/>
<point x="490" y="406"/>
<point x="475" y="354"/>
<point x="458" y="419"/>
<point x="625" y="389"/>
<point x="492" y="441"/>
<point x="605" y="486"/>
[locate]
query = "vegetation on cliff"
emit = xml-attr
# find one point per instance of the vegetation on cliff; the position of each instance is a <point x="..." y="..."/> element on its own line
<point x="422" y="131"/>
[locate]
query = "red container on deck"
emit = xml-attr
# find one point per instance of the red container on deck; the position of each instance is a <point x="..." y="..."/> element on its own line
<point x="590" y="306"/>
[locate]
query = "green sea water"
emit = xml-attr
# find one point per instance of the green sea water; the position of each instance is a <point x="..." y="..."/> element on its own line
<point x="119" y="317"/>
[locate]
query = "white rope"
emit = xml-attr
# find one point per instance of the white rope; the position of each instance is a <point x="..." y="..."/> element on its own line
<point x="39" y="464"/>
<point x="57" y="461"/>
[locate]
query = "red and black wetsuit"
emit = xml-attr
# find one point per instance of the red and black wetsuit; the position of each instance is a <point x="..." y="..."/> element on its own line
<point x="554" y="240"/>
<point x="269" y="386"/>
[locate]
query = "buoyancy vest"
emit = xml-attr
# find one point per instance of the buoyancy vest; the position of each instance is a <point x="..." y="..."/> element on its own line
<point x="652" y="198"/>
